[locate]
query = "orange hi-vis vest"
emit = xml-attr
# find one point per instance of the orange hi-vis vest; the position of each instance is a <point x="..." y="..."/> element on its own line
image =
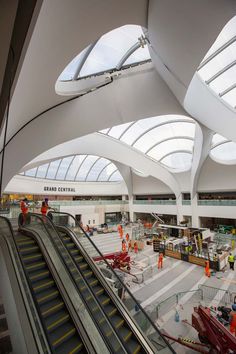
<point x="44" y="209"/>
<point x="24" y="207"/>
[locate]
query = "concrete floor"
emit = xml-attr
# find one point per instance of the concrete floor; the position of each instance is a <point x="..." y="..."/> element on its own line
<point x="176" y="276"/>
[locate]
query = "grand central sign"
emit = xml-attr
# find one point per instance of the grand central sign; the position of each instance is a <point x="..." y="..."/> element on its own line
<point x="58" y="189"/>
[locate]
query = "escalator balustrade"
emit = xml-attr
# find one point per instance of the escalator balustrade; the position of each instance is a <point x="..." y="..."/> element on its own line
<point x="121" y="327"/>
<point x="61" y="332"/>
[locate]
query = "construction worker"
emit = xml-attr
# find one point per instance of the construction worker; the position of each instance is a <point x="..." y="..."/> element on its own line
<point x="135" y="247"/>
<point x="127" y="237"/>
<point x="207" y="269"/>
<point x="232" y="321"/>
<point x="129" y="246"/>
<point x="160" y="260"/>
<point x="231" y="261"/>
<point x="124" y="247"/>
<point x="44" y="208"/>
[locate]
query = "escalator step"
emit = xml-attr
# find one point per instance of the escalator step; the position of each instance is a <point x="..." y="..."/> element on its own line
<point x="83" y="266"/>
<point x="35" y="266"/>
<point x="66" y="239"/>
<point x="134" y="346"/>
<point x="93" y="282"/>
<point x="47" y="296"/>
<point x="88" y="274"/>
<point x="57" y="319"/>
<point x="98" y="290"/>
<point x="117" y="321"/>
<point x="74" y="252"/>
<point x="51" y="307"/>
<point x="34" y="257"/>
<point x="73" y="346"/>
<point x="62" y="334"/>
<point x="70" y="245"/>
<point x="25" y="243"/>
<point x="39" y="275"/>
<point x="104" y="300"/>
<point x="43" y="285"/>
<point x="125" y="333"/>
<point x="29" y="250"/>
<point x="78" y="259"/>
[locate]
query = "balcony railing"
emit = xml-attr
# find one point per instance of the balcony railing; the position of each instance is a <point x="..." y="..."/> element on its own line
<point x="87" y="202"/>
<point x="155" y="202"/>
<point x="217" y="202"/>
<point x="186" y="202"/>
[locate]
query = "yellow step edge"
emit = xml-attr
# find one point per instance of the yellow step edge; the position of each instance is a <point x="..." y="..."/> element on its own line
<point x="112" y="312"/>
<point x="93" y="282"/>
<point x="137" y="350"/>
<point x="88" y="273"/>
<point x="83" y="266"/>
<point x="108" y="334"/>
<point x="22" y="239"/>
<point x="119" y="324"/>
<point x="35" y="265"/>
<point x="63" y="337"/>
<point x="70" y="244"/>
<point x="22" y="243"/>
<point x="78" y="278"/>
<point x="43" y="285"/>
<point x="47" y="296"/>
<point x="57" y="322"/>
<point x="39" y="275"/>
<point x="88" y="298"/>
<point x="77" y="258"/>
<point x="32" y="257"/>
<point x="106" y="301"/>
<point x="99" y="292"/>
<point x="102" y="320"/>
<point x="74" y="251"/>
<point x="76" y="348"/>
<point x="53" y="308"/>
<point x="128" y="336"/>
<point x="29" y="249"/>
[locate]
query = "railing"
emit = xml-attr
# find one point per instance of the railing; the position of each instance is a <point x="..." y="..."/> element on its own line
<point x="186" y="202"/>
<point x="217" y="202"/>
<point x="139" y="315"/>
<point x="88" y="202"/>
<point x="155" y="202"/>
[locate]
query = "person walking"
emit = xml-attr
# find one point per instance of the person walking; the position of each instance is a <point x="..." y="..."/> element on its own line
<point x="127" y="237"/>
<point x="135" y="247"/>
<point x="24" y="208"/>
<point x="232" y="321"/>
<point x="207" y="269"/>
<point x="231" y="261"/>
<point x="160" y="260"/>
<point x="129" y="246"/>
<point x="124" y="247"/>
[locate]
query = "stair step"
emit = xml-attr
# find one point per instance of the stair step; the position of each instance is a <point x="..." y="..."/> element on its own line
<point x="57" y="319"/>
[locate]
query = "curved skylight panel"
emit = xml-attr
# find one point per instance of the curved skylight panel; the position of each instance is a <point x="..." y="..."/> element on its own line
<point x="164" y="132"/>
<point x="63" y="167"/>
<point x="225" y="152"/>
<point x="141" y="54"/>
<point x="96" y="169"/>
<point x="69" y="72"/>
<point x="217" y="138"/>
<point x="85" y="167"/>
<point x="74" y="167"/>
<point x="31" y="172"/>
<point x="52" y="170"/>
<point x="42" y="171"/>
<point x="115" y="177"/>
<point x="170" y="146"/>
<point x="118" y="130"/>
<point x="110" y="49"/>
<point x="218" y="68"/>
<point x="106" y="173"/>
<point x="178" y="160"/>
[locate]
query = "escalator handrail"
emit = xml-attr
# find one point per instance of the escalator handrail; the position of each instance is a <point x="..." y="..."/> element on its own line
<point x="117" y="276"/>
<point x="29" y="294"/>
<point x="42" y="219"/>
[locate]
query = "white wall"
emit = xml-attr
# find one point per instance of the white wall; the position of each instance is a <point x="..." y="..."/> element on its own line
<point x="149" y="185"/>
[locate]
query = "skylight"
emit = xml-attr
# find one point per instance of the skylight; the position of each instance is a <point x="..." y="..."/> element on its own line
<point x="122" y="46"/>
<point x="167" y="139"/>
<point x="218" y="68"/>
<point x="83" y="168"/>
<point x="223" y="150"/>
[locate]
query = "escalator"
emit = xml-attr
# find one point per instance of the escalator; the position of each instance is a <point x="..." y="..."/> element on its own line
<point x="124" y="326"/>
<point x="61" y="332"/>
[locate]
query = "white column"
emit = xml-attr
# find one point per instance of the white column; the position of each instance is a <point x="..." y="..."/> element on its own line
<point x="131" y="209"/>
<point x="195" y="216"/>
<point x="179" y="208"/>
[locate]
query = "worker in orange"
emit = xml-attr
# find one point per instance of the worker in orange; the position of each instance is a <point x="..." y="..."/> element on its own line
<point x="207" y="269"/>
<point x="232" y="322"/>
<point x="160" y="260"/>
<point x="127" y="237"/>
<point x="44" y="208"/>
<point x="135" y="247"/>
<point x="129" y="246"/>
<point x="121" y="232"/>
<point x="124" y="247"/>
<point x="24" y="207"/>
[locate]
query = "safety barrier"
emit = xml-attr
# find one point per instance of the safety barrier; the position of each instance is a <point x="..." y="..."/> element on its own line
<point x="215" y="296"/>
<point x="155" y="202"/>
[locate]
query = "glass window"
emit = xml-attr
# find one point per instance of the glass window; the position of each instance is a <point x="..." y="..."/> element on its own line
<point x="42" y="170"/>
<point x="170" y="146"/>
<point x="69" y="71"/>
<point x="115" y="177"/>
<point x="225" y="152"/>
<point x="108" y="170"/>
<point x="116" y="131"/>
<point x="139" y="55"/>
<point x="74" y="167"/>
<point x="85" y="167"/>
<point x="178" y="160"/>
<point x="63" y="167"/>
<point x="52" y="170"/>
<point x="96" y="169"/>
<point x="110" y="49"/>
<point x="31" y="172"/>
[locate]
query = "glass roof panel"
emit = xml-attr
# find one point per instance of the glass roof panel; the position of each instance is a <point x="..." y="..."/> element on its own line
<point x="69" y="71"/>
<point x="106" y="172"/>
<point x="31" y="172"/>
<point x="42" y="170"/>
<point x="164" y="132"/>
<point x="117" y="130"/>
<point x="52" y="170"/>
<point x="170" y="146"/>
<point x="224" y="81"/>
<point x="139" y="55"/>
<point x="73" y="167"/>
<point x="225" y="152"/>
<point x="230" y="98"/>
<point x="115" y="177"/>
<point x="217" y="138"/>
<point x="96" y="169"/>
<point x="63" y="167"/>
<point x="178" y="160"/>
<point x="85" y="167"/>
<point x="110" y="48"/>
